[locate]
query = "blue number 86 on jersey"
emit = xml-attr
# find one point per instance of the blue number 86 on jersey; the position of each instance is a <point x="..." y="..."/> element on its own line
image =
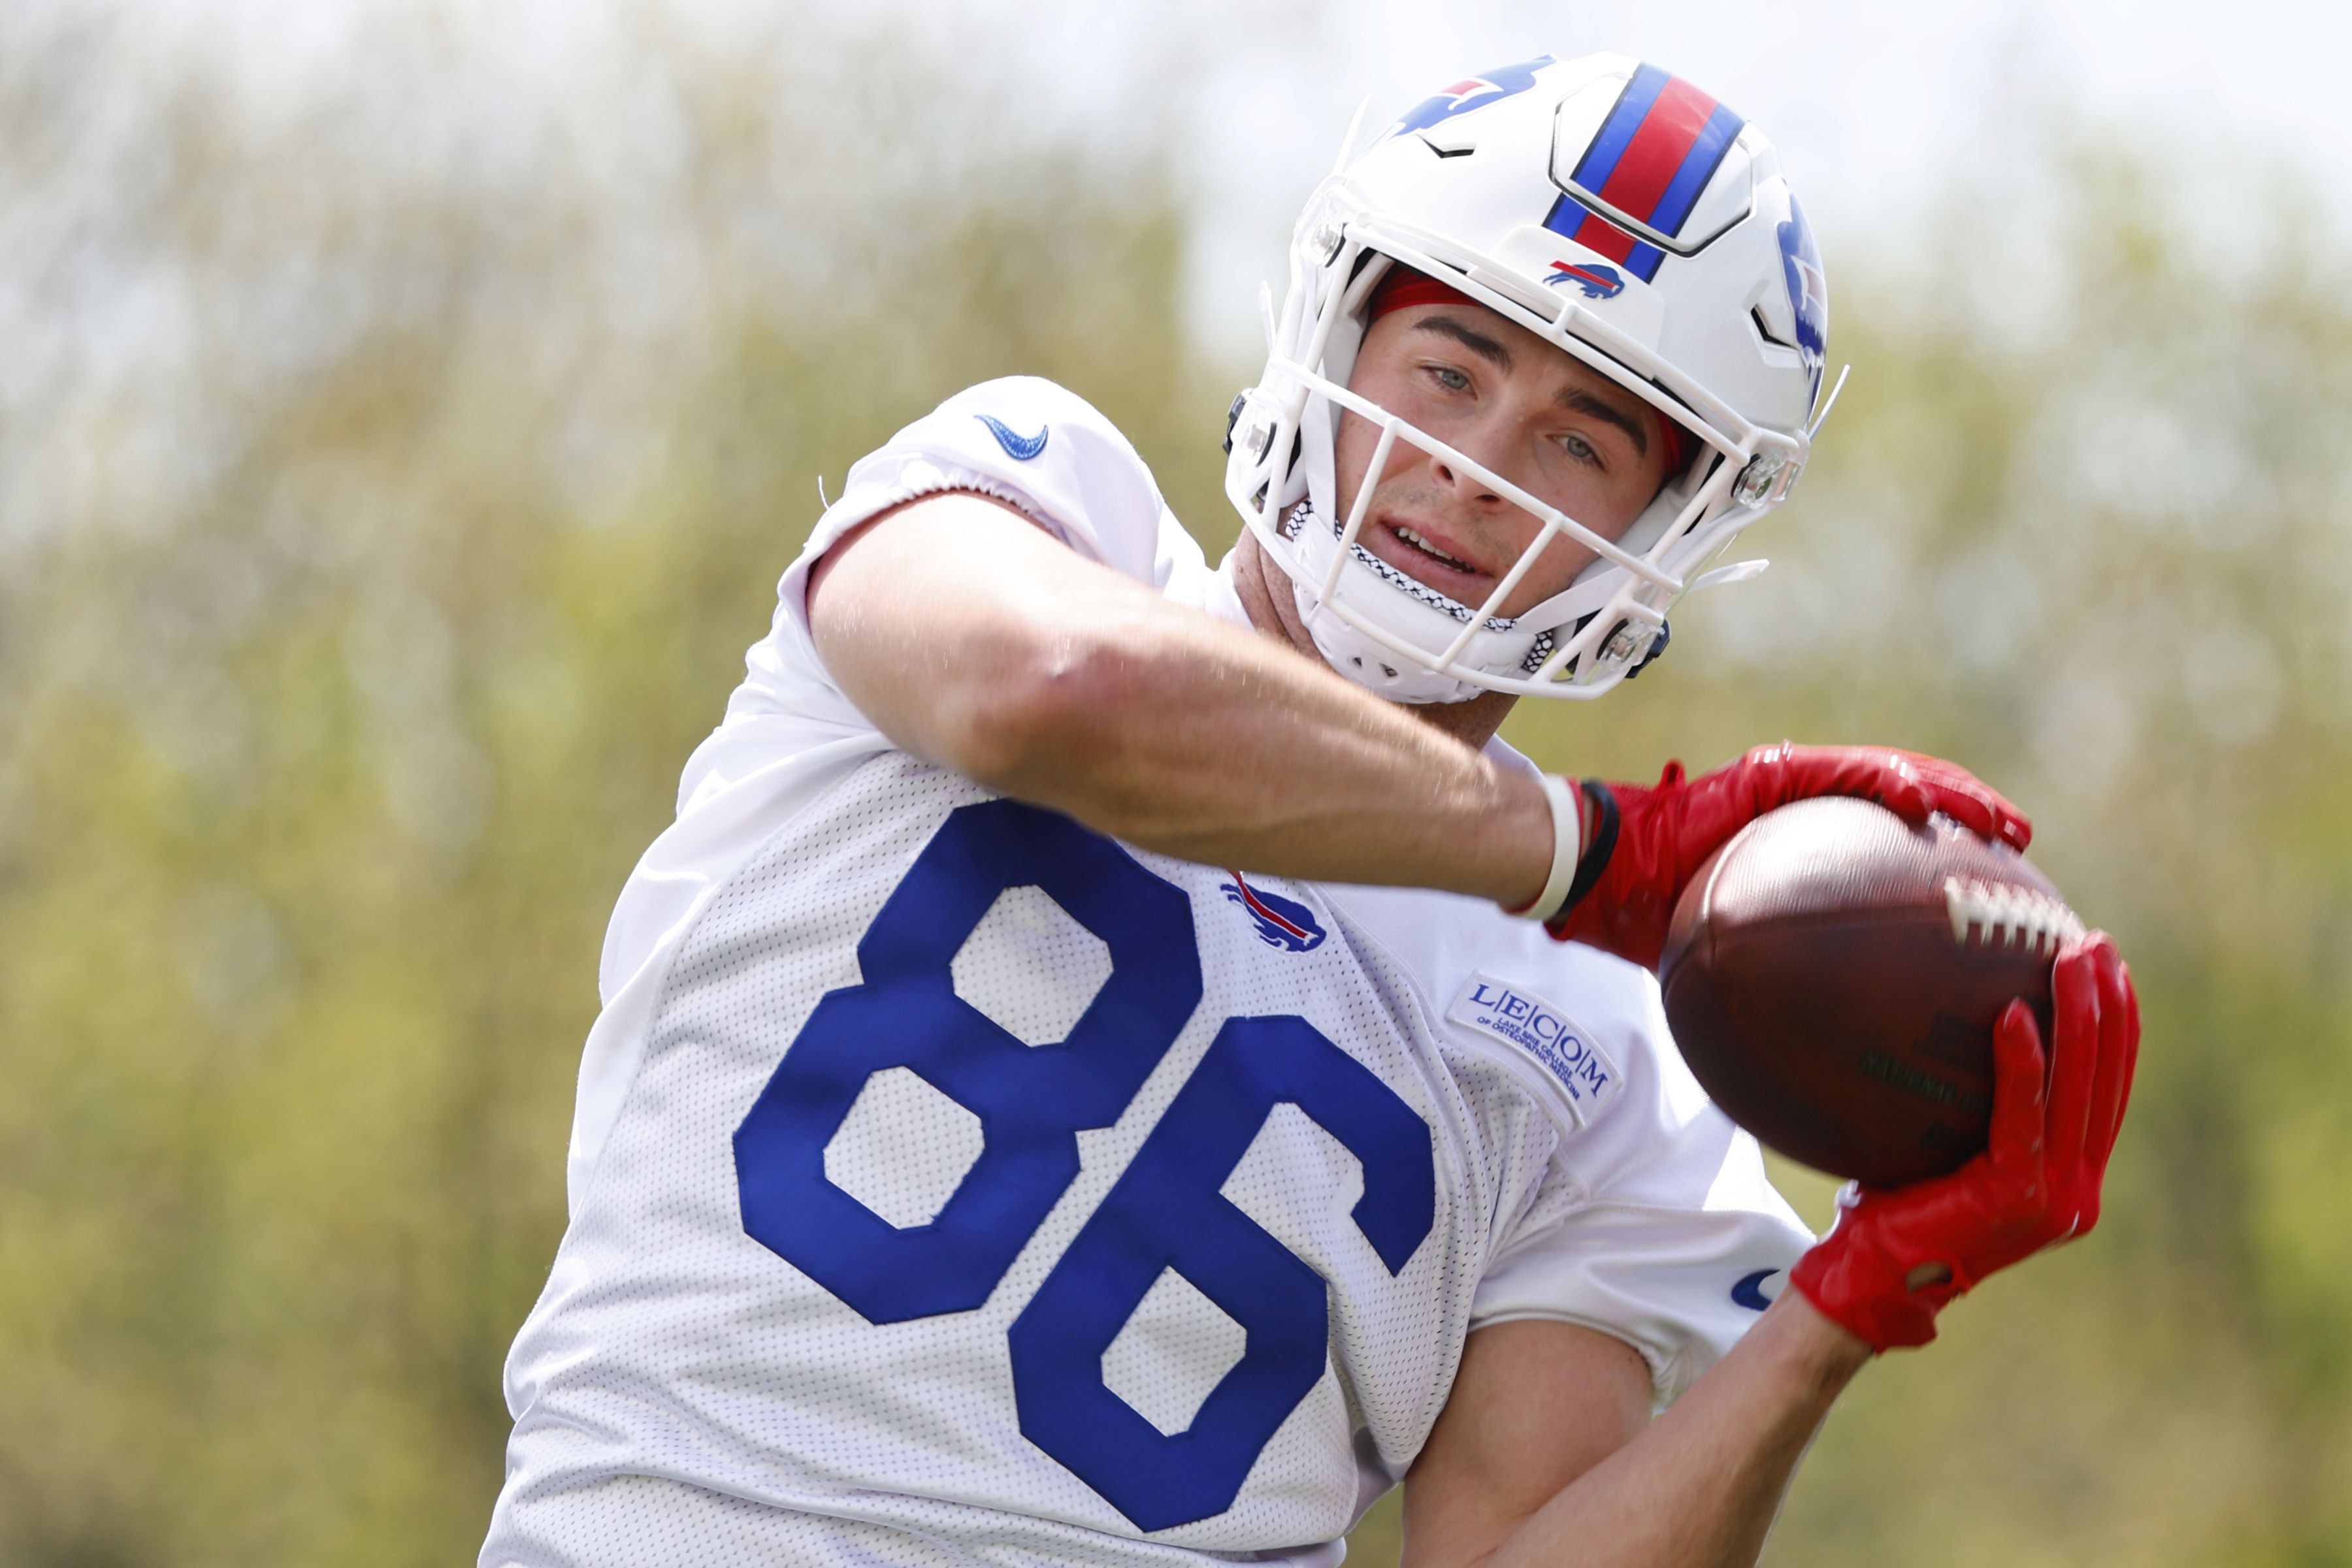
<point x="1165" y="1212"/>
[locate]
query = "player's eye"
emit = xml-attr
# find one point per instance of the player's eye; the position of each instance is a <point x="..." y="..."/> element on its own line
<point x="1449" y="378"/>
<point x="1582" y="451"/>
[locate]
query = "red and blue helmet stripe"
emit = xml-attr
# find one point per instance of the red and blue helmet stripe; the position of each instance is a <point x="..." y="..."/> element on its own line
<point x="1662" y="142"/>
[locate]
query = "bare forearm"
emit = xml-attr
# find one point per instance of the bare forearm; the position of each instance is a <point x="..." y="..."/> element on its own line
<point x="1063" y="684"/>
<point x="1699" y="1487"/>
<point x="1254" y="758"/>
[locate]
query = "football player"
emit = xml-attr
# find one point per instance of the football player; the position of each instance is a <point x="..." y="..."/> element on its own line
<point x="1091" y="1076"/>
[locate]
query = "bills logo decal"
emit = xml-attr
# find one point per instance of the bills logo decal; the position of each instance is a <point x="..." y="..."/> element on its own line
<point x="1280" y="921"/>
<point x="1597" y="282"/>
<point x="1472" y="92"/>
<point x="1809" y="291"/>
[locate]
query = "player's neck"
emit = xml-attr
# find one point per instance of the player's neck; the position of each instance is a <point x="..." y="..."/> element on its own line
<point x="1276" y="615"/>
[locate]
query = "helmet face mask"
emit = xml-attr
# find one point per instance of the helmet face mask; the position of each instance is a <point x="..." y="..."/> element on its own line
<point x="1724" y="342"/>
<point x="1455" y="370"/>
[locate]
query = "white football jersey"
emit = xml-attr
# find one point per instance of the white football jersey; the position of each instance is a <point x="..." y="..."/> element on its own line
<point x="951" y="1183"/>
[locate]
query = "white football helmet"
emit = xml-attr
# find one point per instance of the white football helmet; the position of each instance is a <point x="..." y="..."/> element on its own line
<point x="1616" y="211"/>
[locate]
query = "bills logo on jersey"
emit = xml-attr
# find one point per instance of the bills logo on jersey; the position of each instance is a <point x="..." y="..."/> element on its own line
<point x="1517" y="1016"/>
<point x="1809" y="291"/>
<point x="1472" y="92"/>
<point x="1597" y="282"/>
<point x="1280" y="921"/>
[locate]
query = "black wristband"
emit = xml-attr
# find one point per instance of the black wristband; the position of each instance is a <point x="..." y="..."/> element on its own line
<point x="1595" y="861"/>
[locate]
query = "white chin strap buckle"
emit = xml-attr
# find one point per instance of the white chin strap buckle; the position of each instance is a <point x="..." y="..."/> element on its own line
<point x="1362" y="660"/>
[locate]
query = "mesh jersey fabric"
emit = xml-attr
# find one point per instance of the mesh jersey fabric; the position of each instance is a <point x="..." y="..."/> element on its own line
<point x="1126" y="1386"/>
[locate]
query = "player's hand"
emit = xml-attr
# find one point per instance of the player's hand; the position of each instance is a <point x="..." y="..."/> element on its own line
<point x="1630" y="879"/>
<point x="1897" y="1254"/>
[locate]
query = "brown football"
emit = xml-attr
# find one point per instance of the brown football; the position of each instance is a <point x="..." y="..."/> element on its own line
<point x="1833" y="977"/>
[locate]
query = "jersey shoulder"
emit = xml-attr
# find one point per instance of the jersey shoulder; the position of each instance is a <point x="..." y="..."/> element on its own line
<point x="1040" y="448"/>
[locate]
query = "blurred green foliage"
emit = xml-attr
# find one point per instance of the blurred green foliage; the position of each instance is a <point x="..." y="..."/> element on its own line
<point x="392" y="478"/>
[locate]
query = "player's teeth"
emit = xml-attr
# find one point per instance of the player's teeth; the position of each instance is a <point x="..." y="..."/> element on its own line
<point x="1418" y="542"/>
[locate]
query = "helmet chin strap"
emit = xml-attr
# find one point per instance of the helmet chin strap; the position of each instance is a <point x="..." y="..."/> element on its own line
<point x="1369" y="663"/>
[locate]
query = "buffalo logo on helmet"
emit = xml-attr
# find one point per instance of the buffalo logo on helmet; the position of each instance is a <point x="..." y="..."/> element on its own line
<point x="1809" y="291"/>
<point x="1280" y="922"/>
<point x="1472" y="92"/>
<point x="1597" y="282"/>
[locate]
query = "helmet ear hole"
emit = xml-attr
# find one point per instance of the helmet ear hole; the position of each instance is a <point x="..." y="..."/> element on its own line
<point x="1364" y="275"/>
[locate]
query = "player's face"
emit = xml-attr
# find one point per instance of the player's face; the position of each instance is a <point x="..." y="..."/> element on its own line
<point x="1521" y="408"/>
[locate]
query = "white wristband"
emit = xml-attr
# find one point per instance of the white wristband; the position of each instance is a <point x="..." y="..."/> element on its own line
<point x="1568" y="844"/>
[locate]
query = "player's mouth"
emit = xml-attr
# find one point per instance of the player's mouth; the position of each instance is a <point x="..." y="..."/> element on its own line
<point x="1433" y="558"/>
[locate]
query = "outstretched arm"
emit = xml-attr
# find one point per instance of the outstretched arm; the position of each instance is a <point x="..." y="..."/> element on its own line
<point x="1511" y="1476"/>
<point x="975" y="640"/>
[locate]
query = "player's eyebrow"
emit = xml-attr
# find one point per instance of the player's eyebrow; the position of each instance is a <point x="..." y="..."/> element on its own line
<point x="1579" y="401"/>
<point x="1469" y="337"/>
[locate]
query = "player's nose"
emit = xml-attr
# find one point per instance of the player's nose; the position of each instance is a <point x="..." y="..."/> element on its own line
<point x="1486" y="449"/>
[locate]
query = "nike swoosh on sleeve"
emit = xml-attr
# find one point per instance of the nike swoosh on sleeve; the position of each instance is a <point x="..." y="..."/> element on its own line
<point x="1749" y="1292"/>
<point x="1017" y="446"/>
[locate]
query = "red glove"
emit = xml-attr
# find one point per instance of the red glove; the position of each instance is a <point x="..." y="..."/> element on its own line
<point x="1897" y="1254"/>
<point x="1647" y="844"/>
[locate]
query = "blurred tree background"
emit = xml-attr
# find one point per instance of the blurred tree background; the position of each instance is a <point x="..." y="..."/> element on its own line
<point x="396" y="460"/>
